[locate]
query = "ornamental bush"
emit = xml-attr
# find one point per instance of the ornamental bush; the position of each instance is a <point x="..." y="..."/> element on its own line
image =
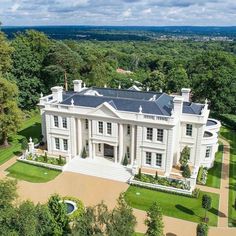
<point x="84" y="153"/>
<point x="24" y="144"/>
<point x="125" y="161"/>
<point x="186" y="172"/>
<point x="202" y="229"/>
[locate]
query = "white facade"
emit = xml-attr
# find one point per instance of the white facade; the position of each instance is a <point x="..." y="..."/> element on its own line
<point x="150" y="141"/>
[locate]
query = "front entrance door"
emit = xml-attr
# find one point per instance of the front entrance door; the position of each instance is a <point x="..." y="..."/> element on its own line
<point x="108" y="150"/>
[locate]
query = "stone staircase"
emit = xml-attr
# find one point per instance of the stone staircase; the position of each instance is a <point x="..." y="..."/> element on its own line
<point x="99" y="167"/>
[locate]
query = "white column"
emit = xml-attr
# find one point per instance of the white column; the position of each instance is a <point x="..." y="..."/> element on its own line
<point x="139" y="140"/>
<point x="79" y="140"/>
<point x="121" y="148"/>
<point x="94" y="150"/>
<point x="90" y="138"/>
<point x="169" y="151"/>
<point x="48" y="137"/>
<point x="132" y="145"/>
<point x="115" y="153"/>
<point x="73" y="136"/>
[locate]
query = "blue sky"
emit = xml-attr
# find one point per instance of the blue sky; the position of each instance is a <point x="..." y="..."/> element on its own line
<point x="118" y="12"/>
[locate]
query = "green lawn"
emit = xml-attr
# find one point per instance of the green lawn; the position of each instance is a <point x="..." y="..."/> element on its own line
<point x="138" y="234"/>
<point x="230" y="135"/>
<point x="30" y="128"/>
<point x="173" y="205"/>
<point x="214" y="174"/>
<point x="31" y="173"/>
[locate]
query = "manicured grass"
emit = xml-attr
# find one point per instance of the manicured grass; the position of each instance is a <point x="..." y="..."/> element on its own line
<point x="230" y="135"/>
<point x="31" y="173"/>
<point x="177" y="206"/>
<point x="138" y="234"/>
<point x="214" y="174"/>
<point x="30" y="128"/>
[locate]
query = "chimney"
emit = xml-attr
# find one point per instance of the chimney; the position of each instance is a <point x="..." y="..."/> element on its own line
<point x="186" y="94"/>
<point x="77" y="85"/>
<point x="57" y="93"/>
<point x="178" y="105"/>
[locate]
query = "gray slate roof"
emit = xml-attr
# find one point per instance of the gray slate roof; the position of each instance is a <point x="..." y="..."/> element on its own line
<point x="129" y="100"/>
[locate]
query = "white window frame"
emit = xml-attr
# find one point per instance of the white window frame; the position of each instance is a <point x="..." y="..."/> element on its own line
<point x="65" y="144"/>
<point x="148" y="156"/>
<point x="189" y="130"/>
<point x="56" y="121"/>
<point x="149" y="134"/>
<point x="160" y="135"/>
<point x="57" y="144"/>
<point x="158" y="158"/>
<point x="109" y="128"/>
<point x="100" y="127"/>
<point x="64" y="122"/>
<point x="128" y="129"/>
<point x="208" y="152"/>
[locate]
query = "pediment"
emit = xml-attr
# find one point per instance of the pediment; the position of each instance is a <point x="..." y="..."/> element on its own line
<point x="105" y="110"/>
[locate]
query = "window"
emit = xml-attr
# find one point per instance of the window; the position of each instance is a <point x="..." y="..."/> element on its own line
<point x="149" y="133"/>
<point x="208" y="152"/>
<point x="189" y="129"/>
<point x="160" y="135"/>
<point x="86" y="124"/>
<point x="99" y="147"/>
<point x="100" y="127"/>
<point x="65" y="144"/>
<point x="128" y="129"/>
<point x="108" y="128"/>
<point x="128" y="152"/>
<point x="158" y="159"/>
<point x="56" y="124"/>
<point x="64" y="122"/>
<point x="57" y="143"/>
<point x="148" y="158"/>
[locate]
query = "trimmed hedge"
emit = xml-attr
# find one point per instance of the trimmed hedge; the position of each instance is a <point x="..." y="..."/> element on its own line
<point x="228" y="119"/>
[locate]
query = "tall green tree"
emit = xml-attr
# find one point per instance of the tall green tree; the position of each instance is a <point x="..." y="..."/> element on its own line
<point x="206" y="203"/>
<point x="10" y="114"/>
<point x="154" y="221"/>
<point x="184" y="156"/>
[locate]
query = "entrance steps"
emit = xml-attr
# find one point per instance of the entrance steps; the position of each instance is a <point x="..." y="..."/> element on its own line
<point x="99" y="167"/>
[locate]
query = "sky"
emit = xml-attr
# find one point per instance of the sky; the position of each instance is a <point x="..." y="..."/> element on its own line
<point x="118" y="12"/>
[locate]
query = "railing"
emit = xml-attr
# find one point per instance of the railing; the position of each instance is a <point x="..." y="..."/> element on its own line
<point x="154" y="117"/>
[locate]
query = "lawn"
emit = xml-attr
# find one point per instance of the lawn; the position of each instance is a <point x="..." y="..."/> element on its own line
<point x="30" y="128"/>
<point x="177" y="206"/>
<point x="214" y="174"/>
<point x="31" y="173"/>
<point x="230" y="135"/>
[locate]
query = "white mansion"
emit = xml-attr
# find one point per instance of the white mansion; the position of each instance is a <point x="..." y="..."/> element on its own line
<point x="151" y="128"/>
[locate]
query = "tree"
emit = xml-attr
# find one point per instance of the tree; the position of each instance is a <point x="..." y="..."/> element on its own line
<point x="7" y="192"/>
<point x="156" y="81"/>
<point x="235" y="204"/>
<point x="202" y="229"/>
<point x="206" y="203"/>
<point x="121" y="219"/>
<point x="58" y="211"/>
<point x="184" y="156"/>
<point x="10" y="114"/>
<point x="5" y="54"/>
<point x="125" y="161"/>
<point x="186" y="172"/>
<point x="154" y="221"/>
<point x="26" y="222"/>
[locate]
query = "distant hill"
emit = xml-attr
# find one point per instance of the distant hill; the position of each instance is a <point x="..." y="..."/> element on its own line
<point x="109" y="33"/>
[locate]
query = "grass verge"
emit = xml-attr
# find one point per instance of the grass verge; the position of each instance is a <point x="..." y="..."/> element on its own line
<point x="31" y="173"/>
<point x="181" y="207"/>
<point x="30" y="128"/>
<point x="214" y="174"/>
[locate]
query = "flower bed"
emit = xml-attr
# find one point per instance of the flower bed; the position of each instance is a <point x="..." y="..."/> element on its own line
<point x="168" y="182"/>
<point x="202" y="176"/>
<point x="48" y="160"/>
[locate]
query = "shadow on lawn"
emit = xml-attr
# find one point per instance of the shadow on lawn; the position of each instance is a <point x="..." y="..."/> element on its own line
<point x="184" y="209"/>
<point x="216" y="212"/>
<point x="34" y="131"/>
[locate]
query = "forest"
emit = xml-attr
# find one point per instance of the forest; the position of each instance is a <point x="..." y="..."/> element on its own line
<point x="36" y="62"/>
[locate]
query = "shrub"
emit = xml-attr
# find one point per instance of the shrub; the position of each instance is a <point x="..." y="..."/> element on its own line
<point x="35" y="141"/>
<point x="206" y="203"/>
<point x="24" y="144"/>
<point x="196" y="192"/>
<point x="184" y="156"/>
<point x="60" y="162"/>
<point x="84" y="153"/>
<point x="46" y="157"/>
<point x="139" y="176"/>
<point x="125" y="161"/>
<point x="202" y="229"/>
<point x="186" y="172"/>
<point x="156" y="176"/>
<point x="235" y="204"/>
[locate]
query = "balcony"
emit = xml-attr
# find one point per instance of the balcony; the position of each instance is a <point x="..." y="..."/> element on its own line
<point x="213" y="125"/>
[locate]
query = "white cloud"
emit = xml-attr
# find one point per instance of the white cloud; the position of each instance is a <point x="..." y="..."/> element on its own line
<point x="127" y="13"/>
<point x="147" y="11"/>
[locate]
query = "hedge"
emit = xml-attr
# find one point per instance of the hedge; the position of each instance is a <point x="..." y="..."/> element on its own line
<point x="227" y="119"/>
